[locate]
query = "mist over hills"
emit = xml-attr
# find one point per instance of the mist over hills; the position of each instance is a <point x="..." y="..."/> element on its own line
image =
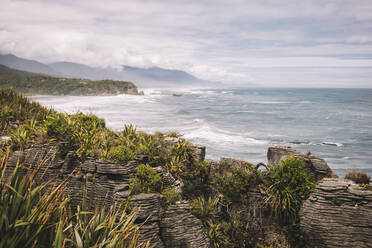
<point x="21" y="64"/>
<point x="142" y="77"/>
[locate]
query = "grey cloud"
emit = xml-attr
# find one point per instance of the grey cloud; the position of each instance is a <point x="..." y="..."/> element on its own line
<point x="216" y="40"/>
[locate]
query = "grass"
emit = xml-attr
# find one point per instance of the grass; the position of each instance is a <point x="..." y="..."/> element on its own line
<point x="17" y="109"/>
<point x="288" y="186"/>
<point x="34" y="214"/>
<point x="358" y="177"/>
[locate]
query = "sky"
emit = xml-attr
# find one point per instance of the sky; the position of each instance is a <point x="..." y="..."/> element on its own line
<point x="281" y="43"/>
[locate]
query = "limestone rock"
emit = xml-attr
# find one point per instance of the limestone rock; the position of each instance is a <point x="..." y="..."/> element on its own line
<point x="108" y="183"/>
<point x="235" y="163"/>
<point x="179" y="228"/>
<point x="316" y="167"/>
<point x="338" y="214"/>
<point x="198" y="153"/>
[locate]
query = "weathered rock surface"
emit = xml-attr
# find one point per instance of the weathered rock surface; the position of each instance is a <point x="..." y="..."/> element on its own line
<point x="316" y="167"/>
<point x="179" y="228"/>
<point x="108" y="183"/>
<point x="338" y="214"/>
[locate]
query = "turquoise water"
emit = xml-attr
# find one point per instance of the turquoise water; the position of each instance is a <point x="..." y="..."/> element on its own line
<point x="335" y="124"/>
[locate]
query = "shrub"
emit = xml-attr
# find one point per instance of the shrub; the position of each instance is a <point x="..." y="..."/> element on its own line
<point x="24" y="135"/>
<point x="196" y="180"/>
<point x="366" y="186"/>
<point x="236" y="230"/>
<point x="173" y="134"/>
<point x="79" y="132"/>
<point x="183" y="152"/>
<point x="204" y="209"/>
<point x="288" y="186"/>
<point x="171" y="195"/>
<point x="358" y="177"/>
<point x="28" y="212"/>
<point x="216" y="236"/>
<point x="149" y="146"/>
<point x="120" y="153"/>
<point x="235" y="184"/>
<point x="34" y="214"/>
<point x="17" y="108"/>
<point x="100" y="228"/>
<point x="147" y="180"/>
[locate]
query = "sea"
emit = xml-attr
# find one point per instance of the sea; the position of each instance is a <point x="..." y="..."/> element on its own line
<point x="334" y="124"/>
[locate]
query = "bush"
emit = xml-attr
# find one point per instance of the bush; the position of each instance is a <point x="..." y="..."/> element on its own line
<point x="216" y="236"/>
<point x="16" y="108"/>
<point x="171" y="195"/>
<point x="182" y="151"/>
<point x="196" y="180"/>
<point x="38" y="214"/>
<point x="358" y="177"/>
<point x="151" y="147"/>
<point x="288" y="186"/>
<point x="99" y="228"/>
<point x="79" y="132"/>
<point x="204" y="209"/>
<point x="147" y="180"/>
<point x="28" y="212"/>
<point x="235" y="184"/>
<point x="120" y="153"/>
<point x="366" y="186"/>
<point x="173" y="134"/>
<point x="23" y="136"/>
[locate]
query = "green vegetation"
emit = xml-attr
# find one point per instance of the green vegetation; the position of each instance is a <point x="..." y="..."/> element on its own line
<point x="16" y="109"/>
<point x="38" y="215"/>
<point x="171" y="196"/>
<point x="235" y="182"/>
<point x="366" y="186"/>
<point x="288" y="186"/>
<point x="30" y="83"/>
<point x="204" y="209"/>
<point x="219" y="194"/>
<point x="147" y="180"/>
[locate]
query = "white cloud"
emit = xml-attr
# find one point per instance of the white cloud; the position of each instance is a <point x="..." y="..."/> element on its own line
<point x="216" y="40"/>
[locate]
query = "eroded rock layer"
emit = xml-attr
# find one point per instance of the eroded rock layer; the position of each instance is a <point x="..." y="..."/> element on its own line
<point x="338" y="214"/>
<point x="316" y="167"/>
<point x="108" y="183"/>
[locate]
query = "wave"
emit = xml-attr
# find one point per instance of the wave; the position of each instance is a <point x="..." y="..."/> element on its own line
<point x="206" y="132"/>
<point x="326" y="143"/>
<point x="246" y="111"/>
<point x="323" y="143"/>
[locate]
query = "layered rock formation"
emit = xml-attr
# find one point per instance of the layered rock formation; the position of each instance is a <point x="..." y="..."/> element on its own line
<point x="316" y="167"/>
<point x="172" y="226"/>
<point x="338" y="214"/>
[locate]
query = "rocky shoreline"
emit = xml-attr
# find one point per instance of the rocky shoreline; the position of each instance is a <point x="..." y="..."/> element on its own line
<point x="338" y="213"/>
<point x="179" y="199"/>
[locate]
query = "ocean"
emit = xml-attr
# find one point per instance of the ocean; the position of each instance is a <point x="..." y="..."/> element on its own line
<point x="334" y="124"/>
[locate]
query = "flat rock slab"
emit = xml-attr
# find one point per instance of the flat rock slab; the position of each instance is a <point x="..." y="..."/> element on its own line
<point x="316" y="167"/>
<point x="338" y="214"/>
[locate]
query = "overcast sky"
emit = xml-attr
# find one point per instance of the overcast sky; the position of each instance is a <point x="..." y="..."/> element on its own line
<point x="300" y="43"/>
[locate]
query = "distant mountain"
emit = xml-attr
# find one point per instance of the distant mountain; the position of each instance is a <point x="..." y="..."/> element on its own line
<point x="69" y="69"/>
<point x="160" y="74"/>
<point x="4" y="70"/>
<point x="143" y="77"/>
<point x="15" y="62"/>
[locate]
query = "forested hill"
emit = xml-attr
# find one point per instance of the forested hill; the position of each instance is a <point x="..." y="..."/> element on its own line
<point x="32" y="83"/>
